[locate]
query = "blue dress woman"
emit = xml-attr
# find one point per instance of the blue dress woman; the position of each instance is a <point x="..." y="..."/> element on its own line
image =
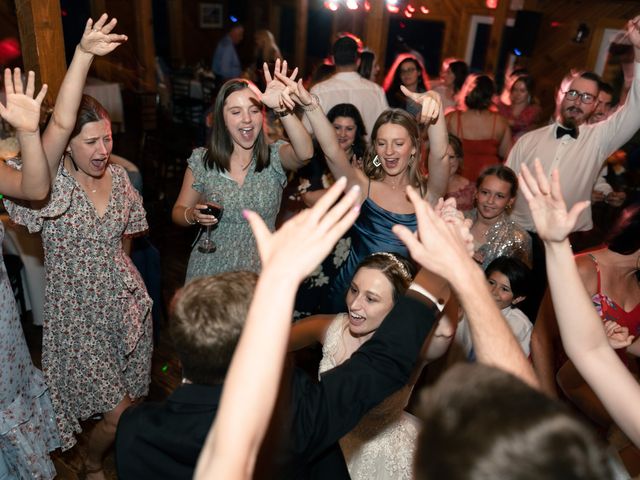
<point x="391" y="164"/>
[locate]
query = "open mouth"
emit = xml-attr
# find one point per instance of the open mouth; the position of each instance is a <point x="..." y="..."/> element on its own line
<point x="246" y="133"/>
<point x="99" y="163"/>
<point x="391" y="163"/>
<point x="356" y="319"/>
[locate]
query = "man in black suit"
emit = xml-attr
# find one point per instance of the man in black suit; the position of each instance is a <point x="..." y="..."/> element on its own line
<point x="163" y="440"/>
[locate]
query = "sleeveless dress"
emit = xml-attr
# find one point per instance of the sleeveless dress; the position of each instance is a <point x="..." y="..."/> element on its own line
<point x="28" y="430"/>
<point x="610" y="310"/>
<point x="260" y="192"/>
<point x="97" y="332"/>
<point x="382" y="445"/>
<point x="478" y="154"/>
<point x="370" y="233"/>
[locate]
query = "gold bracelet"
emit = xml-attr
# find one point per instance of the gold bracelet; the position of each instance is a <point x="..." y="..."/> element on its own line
<point x="186" y="219"/>
<point x="315" y="103"/>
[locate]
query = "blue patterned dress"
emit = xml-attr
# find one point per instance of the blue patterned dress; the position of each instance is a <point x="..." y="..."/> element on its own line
<point x="28" y="429"/>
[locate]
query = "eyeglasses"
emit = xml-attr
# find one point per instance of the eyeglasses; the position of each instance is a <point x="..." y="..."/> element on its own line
<point x="586" y="98"/>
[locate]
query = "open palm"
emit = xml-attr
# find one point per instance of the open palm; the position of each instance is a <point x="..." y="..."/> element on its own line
<point x="22" y="111"/>
<point x="553" y="221"/>
<point x="97" y="38"/>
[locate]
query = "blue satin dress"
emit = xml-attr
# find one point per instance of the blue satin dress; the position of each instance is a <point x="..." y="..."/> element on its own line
<point x="370" y="233"/>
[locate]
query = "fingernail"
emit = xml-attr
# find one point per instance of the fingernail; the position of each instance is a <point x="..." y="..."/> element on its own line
<point x="355" y="188"/>
<point x="356" y="208"/>
<point x="245" y="213"/>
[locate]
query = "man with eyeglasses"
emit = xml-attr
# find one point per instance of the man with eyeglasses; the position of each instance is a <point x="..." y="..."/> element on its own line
<point x="576" y="149"/>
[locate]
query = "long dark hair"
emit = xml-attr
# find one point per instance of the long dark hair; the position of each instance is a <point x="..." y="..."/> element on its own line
<point x="625" y="235"/>
<point x="221" y="144"/>
<point x="392" y="81"/>
<point x="351" y="111"/>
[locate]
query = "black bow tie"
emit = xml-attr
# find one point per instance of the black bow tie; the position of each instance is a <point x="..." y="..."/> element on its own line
<point x="561" y="132"/>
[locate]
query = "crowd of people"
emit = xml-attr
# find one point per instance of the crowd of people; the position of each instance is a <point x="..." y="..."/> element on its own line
<point x="397" y="225"/>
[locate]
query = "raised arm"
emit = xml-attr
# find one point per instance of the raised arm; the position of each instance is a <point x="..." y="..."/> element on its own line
<point x="433" y="117"/>
<point x="308" y="331"/>
<point x="97" y="39"/>
<point x="295" y="154"/>
<point x="583" y="337"/>
<point x="288" y="256"/>
<point x="442" y="247"/>
<point x="325" y="134"/>
<point x="22" y="112"/>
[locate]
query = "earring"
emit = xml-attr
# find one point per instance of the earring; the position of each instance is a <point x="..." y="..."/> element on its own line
<point x="412" y="159"/>
<point x="376" y="161"/>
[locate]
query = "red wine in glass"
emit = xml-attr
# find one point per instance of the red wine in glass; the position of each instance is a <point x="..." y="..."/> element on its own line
<point x="212" y="209"/>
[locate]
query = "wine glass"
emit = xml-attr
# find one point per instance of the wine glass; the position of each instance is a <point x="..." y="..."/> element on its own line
<point x="213" y="201"/>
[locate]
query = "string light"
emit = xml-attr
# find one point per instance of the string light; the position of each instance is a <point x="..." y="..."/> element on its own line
<point x="407" y="7"/>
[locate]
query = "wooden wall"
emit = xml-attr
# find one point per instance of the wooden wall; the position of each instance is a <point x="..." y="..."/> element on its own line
<point x="556" y="53"/>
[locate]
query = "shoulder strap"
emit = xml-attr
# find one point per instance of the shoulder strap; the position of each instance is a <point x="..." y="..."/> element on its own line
<point x="595" y="262"/>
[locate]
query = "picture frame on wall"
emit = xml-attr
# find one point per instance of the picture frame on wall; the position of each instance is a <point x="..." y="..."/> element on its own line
<point x="211" y="15"/>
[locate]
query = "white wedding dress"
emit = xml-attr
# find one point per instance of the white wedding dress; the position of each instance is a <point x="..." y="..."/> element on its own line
<point x="382" y="445"/>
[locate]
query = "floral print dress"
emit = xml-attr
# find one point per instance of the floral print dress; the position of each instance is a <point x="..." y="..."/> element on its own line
<point x="97" y="333"/>
<point x="28" y="430"/>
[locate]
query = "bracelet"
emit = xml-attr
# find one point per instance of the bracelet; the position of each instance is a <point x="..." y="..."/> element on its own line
<point x="281" y="113"/>
<point x="187" y="219"/>
<point x="315" y="103"/>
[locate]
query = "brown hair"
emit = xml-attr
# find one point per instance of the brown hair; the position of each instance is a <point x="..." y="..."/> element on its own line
<point x="456" y="145"/>
<point x="504" y="173"/>
<point x="207" y="318"/>
<point x="221" y="144"/>
<point x="400" y="117"/>
<point x="474" y="428"/>
<point x="90" y="110"/>
<point x="398" y="270"/>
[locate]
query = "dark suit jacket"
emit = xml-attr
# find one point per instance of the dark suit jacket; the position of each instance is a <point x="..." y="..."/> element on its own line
<point x="156" y="441"/>
<point x="163" y="440"/>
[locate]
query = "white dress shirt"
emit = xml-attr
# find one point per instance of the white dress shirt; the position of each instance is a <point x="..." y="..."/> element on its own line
<point x="578" y="160"/>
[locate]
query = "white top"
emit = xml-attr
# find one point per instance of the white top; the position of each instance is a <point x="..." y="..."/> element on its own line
<point x="349" y="87"/>
<point x="578" y="160"/>
<point x="518" y="322"/>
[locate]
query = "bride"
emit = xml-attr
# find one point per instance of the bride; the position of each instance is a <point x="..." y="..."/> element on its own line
<point x="381" y="446"/>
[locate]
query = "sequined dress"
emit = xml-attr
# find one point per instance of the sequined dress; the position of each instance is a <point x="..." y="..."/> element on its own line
<point x="382" y="445"/>
<point x="504" y="238"/>
<point x="97" y="332"/>
<point x="28" y="429"/>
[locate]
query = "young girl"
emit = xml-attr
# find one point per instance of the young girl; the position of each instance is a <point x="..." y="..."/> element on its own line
<point x="494" y="233"/>
<point x="507" y="278"/>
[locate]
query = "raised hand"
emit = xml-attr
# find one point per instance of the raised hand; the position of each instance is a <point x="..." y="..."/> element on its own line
<point x="617" y="335"/>
<point x="22" y="110"/>
<point x="430" y="102"/>
<point x="553" y="221"/>
<point x="276" y="93"/>
<point x="97" y="38"/>
<point x="301" y="243"/>
<point x="440" y="245"/>
<point x="633" y="32"/>
<point x="296" y="90"/>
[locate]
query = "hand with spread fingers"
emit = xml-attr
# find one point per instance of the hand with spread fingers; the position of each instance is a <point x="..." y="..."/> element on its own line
<point x="22" y="110"/>
<point x="97" y="38"/>
<point x="297" y="92"/>
<point x="302" y="242"/>
<point x="553" y="221"/>
<point x="276" y="94"/>
<point x="430" y="102"/>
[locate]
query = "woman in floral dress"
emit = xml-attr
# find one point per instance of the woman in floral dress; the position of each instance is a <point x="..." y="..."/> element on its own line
<point x="28" y="429"/>
<point x="97" y="331"/>
<point x="244" y="171"/>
